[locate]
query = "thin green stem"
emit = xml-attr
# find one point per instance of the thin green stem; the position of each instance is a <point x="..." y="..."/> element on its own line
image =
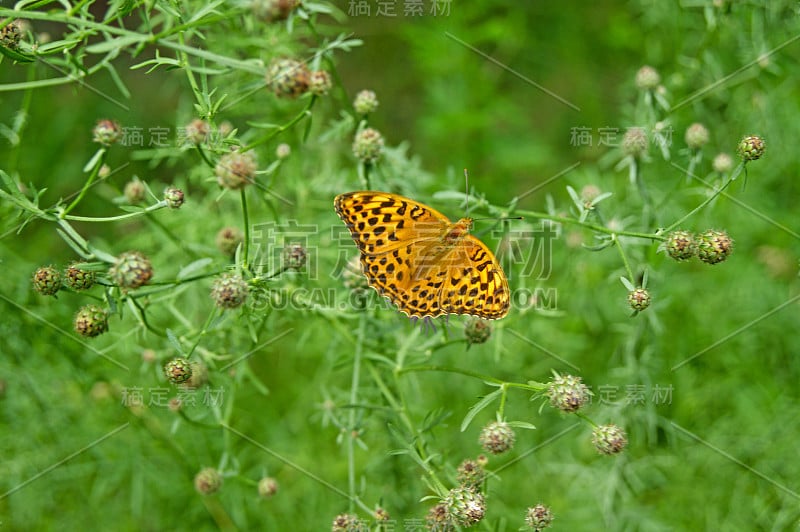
<point x="699" y="207"/>
<point x="88" y="184"/>
<point x="154" y="207"/>
<point x="277" y="131"/>
<point x="246" y="242"/>
<point x="351" y="423"/>
<point x="587" y="225"/>
<point x="624" y="257"/>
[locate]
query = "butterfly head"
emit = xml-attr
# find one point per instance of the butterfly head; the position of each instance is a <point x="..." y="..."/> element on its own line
<point x="458" y="230"/>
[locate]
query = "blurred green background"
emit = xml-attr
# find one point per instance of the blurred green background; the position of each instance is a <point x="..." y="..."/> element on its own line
<point x="718" y="455"/>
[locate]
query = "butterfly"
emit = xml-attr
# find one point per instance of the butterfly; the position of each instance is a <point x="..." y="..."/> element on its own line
<point x="422" y="262"/>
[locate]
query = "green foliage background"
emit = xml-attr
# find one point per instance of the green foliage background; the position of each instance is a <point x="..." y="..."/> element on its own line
<point x="719" y="455"/>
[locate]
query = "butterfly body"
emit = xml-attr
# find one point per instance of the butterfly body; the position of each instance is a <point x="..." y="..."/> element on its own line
<point x="424" y="263"/>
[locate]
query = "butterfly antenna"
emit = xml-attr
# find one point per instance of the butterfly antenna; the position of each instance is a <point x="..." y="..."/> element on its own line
<point x="466" y="188"/>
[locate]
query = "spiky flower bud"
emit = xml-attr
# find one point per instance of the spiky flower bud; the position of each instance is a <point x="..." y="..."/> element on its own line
<point x="197" y="131"/>
<point x="236" y="170"/>
<point x="294" y="257"/>
<point x="320" y="83"/>
<point x="567" y="393"/>
<point x="228" y="239"/>
<point x="131" y="270"/>
<point x="609" y="439"/>
<point x="381" y="515"/>
<point x="470" y="473"/>
<point x="106" y="132"/>
<point x="229" y="290"/>
<point x="283" y="151"/>
<point x="198" y="377"/>
<point x="681" y="245"/>
<point x="465" y="506"/>
<point x="437" y="519"/>
<point x="273" y="10"/>
<point x="288" y="78"/>
<point x="47" y="280"/>
<point x="78" y="279"/>
<point x="10" y="35"/>
<point x="751" y="148"/>
<point x="696" y="136"/>
<point x="365" y="102"/>
<point x="91" y="321"/>
<point x="207" y="481"/>
<point x="134" y="191"/>
<point x="647" y="78"/>
<point x="477" y="331"/>
<point x="497" y="437"/>
<point x="368" y="145"/>
<point x="267" y="487"/>
<point x="723" y="163"/>
<point x="178" y="370"/>
<point x="174" y="197"/>
<point x="539" y="517"/>
<point x="345" y="523"/>
<point x="634" y="142"/>
<point x="714" y="247"/>
<point x="639" y="299"/>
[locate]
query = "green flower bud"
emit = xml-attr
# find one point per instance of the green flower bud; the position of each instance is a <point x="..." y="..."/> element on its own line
<point x="465" y="506"/>
<point x="567" y="393"/>
<point x="174" y="197"/>
<point x="365" y="102"/>
<point x="91" y="321"/>
<point x="639" y="299"/>
<point x="267" y="487"/>
<point x="207" y="481"/>
<point x="368" y="145"/>
<point x="288" y="78"/>
<point x="497" y="437"/>
<point x="131" y="270"/>
<point x="229" y="290"/>
<point x="681" y="245"/>
<point x="47" y="280"/>
<point x="609" y="439"/>
<point x="477" y="331"/>
<point x="714" y="247"/>
<point x="236" y="170"/>
<point x="106" y="132"/>
<point x="539" y="517"/>
<point x="647" y="78"/>
<point x="228" y="239"/>
<point x="178" y="370"/>
<point x="78" y="279"/>
<point x="751" y="148"/>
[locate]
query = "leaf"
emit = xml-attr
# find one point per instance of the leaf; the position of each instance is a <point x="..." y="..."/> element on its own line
<point x="522" y="425"/>
<point x="477" y="407"/>
<point x="94" y="160"/>
<point x="116" y="44"/>
<point x="174" y="341"/>
<point x="15" y="55"/>
<point x="192" y="268"/>
<point x="627" y="283"/>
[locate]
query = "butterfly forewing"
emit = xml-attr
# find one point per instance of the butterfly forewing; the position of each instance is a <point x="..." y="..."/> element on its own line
<point x="406" y="256"/>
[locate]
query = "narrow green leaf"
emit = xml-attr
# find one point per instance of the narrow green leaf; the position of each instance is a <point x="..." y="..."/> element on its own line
<point x="477" y="407"/>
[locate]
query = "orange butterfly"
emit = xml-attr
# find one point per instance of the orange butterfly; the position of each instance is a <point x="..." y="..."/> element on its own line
<point x="425" y="264"/>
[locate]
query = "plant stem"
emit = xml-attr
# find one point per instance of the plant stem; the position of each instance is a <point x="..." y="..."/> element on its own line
<point x="587" y="225"/>
<point x="699" y="207"/>
<point x="351" y="423"/>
